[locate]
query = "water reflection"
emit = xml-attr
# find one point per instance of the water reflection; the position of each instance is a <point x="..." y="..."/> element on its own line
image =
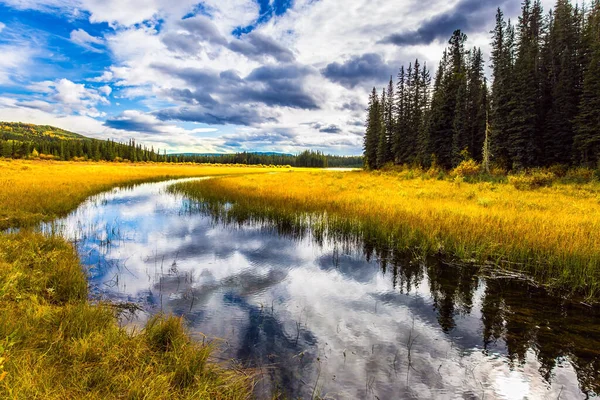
<point x="331" y="316"/>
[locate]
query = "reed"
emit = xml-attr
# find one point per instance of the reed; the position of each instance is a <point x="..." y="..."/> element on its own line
<point x="551" y="233"/>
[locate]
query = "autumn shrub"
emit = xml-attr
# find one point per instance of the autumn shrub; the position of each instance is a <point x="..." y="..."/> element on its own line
<point x="467" y="168"/>
<point x="532" y="180"/>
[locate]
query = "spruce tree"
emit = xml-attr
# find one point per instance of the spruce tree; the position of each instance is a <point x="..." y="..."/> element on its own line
<point x="587" y="123"/>
<point x="423" y="133"/>
<point x="442" y="130"/>
<point x="501" y="98"/>
<point x="373" y="128"/>
<point x="399" y="140"/>
<point x="382" y="144"/>
<point x="523" y="123"/>
<point x="564" y="77"/>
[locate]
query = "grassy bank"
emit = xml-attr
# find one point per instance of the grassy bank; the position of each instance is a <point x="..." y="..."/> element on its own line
<point x="34" y="191"/>
<point x="53" y="343"/>
<point x="551" y="233"/>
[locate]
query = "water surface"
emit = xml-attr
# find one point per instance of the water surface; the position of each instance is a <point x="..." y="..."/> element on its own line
<point x="334" y="319"/>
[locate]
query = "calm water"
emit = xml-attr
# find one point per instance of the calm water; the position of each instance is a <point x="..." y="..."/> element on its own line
<point x="319" y="318"/>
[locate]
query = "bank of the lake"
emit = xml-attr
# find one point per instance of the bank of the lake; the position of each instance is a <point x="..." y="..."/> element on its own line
<point x="551" y="234"/>
<point x="54" y="343"/>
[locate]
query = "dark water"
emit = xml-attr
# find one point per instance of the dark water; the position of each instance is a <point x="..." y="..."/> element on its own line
<point x="330" y="319"/>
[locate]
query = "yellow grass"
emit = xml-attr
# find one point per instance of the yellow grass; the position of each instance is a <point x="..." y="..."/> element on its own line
<point x="34" y="191"/>
<point x="552" y="233"/>
<point x="53" y="343"/>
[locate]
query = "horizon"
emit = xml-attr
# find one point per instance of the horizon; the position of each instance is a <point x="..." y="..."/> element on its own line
<point x="220" y="77"/>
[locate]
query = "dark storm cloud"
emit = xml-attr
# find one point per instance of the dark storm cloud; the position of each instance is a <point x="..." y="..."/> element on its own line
<point x="257" y="46"/>
<point x="280" y="85"/>
<point x="467" y="15"/>
<point x="324" y="128"/>
<point x="353" y="106"/>
<point x="227" y="98"/>
<point x="195" y="77"/>
<point x="369" y="67"/>
<point x="330" y="129"/>
<point x="192" y="32"/>
<point x="216" y="115"/>
<point x="203" y="28"/>
<point x="190" y="97"/>
<point x="271" y="136"/>
<point x="131" y="124"/>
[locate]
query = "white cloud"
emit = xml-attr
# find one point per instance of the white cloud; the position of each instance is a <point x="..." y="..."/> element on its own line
<point x="70" y="97"/>
<point x="106" y="76"/>
<point x="107" y="90"/>
<point x="14" y="60"/>
<point x="85" y="40"/>
<point x="2" y="26"/>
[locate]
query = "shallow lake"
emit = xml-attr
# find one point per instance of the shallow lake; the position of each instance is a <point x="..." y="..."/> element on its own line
<point x="324" y="318"/>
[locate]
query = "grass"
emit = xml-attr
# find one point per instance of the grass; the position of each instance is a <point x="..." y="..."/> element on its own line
<point x="34" y="191"/>
<point x="54" y="344"/>
<point x="550" y="233"/>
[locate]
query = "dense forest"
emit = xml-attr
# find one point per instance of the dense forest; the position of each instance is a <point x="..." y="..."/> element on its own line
<point x="541" y="109"/>
<point x="19" y="140"/>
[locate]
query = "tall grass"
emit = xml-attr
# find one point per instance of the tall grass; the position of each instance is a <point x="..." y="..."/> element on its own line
<point x="54" y="344"/>
<point x="34" y="191"/>
<point x="551" y="233"/>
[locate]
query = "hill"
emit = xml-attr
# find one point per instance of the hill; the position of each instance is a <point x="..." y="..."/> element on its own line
<point x="31" y="132"/>
<point x="22" y="140"/>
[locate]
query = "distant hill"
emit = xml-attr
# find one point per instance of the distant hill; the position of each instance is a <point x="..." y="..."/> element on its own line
<point x="30" y="132"/>
<point x="22" y="140"/>
<point x="259" y="153"/>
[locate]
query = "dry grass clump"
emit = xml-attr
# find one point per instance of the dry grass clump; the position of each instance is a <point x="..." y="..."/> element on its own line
<point x="553" y="233"/>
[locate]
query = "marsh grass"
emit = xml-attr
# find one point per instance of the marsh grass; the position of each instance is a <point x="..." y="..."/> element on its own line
<point x="55" y="344"/>
<point x="35" y="191"/>
<point x="550" y="233"/>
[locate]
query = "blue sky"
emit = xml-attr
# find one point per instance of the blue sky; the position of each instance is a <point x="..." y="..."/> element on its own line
<point x="219" y="75"/>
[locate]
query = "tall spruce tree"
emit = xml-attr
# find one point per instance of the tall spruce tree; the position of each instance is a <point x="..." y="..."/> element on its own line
<point x="565" y="84"/>
<point x="502" y="88"/>
<point x="477" y="104"/>
<point x="383" y="148"/>
<point x="400" y="125"/>
<point x="587" y="123"/>
<point x="523" y="124"/>
<point x="423" y="124"/>
<point x="373" y="130"/>
<point x="448" y="86"/>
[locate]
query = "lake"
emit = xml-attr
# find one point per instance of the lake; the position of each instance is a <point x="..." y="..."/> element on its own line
<point x="331" y="318"/>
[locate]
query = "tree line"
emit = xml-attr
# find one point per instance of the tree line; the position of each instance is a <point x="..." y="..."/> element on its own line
<point x="542" y="109"/>
<point x="34" y="141"/>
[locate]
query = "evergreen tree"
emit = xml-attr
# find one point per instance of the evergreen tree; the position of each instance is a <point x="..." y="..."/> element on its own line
<point x="382" y="145"/>
<point x="501" y="99"/>
<point x="565" y="84"/>
<point x="587" y="138"/>
<point x="373" y="128"/>
<point x="422" y="156"/>
<point x="400" y="126"/>
<point x="477" y="104"/>
<point x="523" y="124"/>
<point x="446" y="99"/>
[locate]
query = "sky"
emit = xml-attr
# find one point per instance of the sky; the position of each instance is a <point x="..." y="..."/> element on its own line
<point x="220" y="75"/>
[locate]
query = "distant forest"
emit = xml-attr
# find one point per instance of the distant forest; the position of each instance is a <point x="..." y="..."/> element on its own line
<point x="542" y="109"/>
<point x="19" y="140"/>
